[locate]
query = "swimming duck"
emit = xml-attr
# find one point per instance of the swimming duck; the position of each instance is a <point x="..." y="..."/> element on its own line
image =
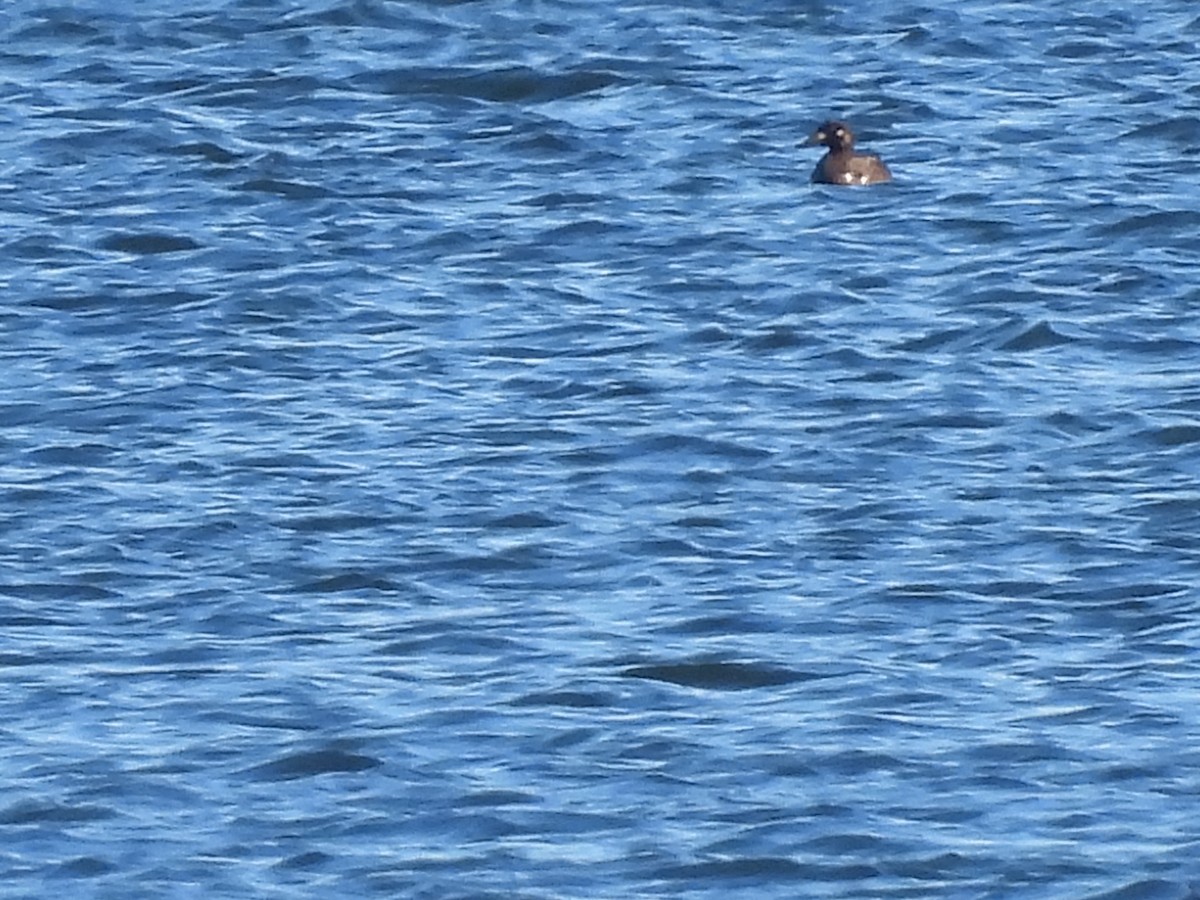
<point x="841" y="165"/>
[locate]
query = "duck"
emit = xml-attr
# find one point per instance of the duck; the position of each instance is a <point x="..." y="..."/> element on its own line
<point x="841" y="165"/>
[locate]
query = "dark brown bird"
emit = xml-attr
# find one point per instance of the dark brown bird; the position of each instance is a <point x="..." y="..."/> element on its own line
<point x="841" y="165"/>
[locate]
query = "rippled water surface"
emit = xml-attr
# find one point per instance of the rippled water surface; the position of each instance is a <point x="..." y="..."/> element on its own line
<point x="449" y="450"/>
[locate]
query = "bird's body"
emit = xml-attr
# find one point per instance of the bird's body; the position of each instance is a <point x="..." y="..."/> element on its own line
<point x="841" y="165"/>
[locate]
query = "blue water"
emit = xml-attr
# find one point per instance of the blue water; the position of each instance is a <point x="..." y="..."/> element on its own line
<point x="449" y="450"/>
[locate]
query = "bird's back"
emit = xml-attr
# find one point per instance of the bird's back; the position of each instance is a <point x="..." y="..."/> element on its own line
<point x="847" y="167"/>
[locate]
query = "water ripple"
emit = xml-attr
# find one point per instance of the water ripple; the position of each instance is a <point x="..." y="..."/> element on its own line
<point x="451" y="450"/>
